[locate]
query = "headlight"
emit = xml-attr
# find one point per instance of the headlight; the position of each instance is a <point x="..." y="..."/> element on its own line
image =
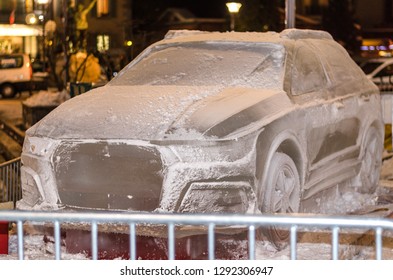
<point x="39" y="189"/>
<point x="211" y="150"/>
<point x="39" y="146"/>
<point x="195" y="173"/>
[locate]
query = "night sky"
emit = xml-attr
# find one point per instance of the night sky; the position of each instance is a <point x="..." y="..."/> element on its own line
<point x="201" y="8"/>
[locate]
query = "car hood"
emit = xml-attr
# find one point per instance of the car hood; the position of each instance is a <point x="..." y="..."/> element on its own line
<point x="159" y="113"/>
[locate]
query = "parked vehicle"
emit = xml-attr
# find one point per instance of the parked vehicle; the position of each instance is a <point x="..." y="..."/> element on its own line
<point x="213" y="123"/>
<point x="379" y="70"/>
<point x="15" y="74"/>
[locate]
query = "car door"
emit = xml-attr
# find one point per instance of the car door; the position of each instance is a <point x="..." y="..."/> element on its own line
<point x="308" y="88"/>
<point x="329" y="129"/>
<point x="348" y="97"/>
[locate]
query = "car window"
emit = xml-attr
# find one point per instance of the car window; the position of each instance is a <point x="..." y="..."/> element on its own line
<point x="9" y="62"/>
<point x="208" y="64"/>
<point x="307" y="72"/>
<point x="341" y="67"/>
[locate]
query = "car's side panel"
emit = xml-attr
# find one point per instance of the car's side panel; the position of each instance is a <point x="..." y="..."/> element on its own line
<point x="348" y="96"/>
<point x="333" y="119"/>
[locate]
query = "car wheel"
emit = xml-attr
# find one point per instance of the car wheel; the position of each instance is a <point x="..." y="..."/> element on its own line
<point x="7" y="91"/>
<point x="281" y="195"/>
<point x="371" y="162"/>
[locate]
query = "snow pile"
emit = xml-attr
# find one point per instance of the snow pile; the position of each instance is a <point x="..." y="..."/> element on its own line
<point x="341" y="200"/>
<point x="47" y="98"/>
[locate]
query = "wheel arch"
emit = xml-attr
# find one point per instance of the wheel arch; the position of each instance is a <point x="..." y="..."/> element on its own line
<point x="379" y="126"/>
<point x="361" y="180"/>
<point x="285" y="142"/>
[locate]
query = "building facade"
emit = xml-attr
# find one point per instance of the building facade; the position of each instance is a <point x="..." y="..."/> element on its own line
<point x="31" y="25"/>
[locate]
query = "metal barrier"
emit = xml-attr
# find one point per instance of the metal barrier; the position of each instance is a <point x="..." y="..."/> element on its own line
<point x="10" y="182"/>
<point x="10" y="190"/>
<point x="251" y="222"/>
<point x="12" y="131"/>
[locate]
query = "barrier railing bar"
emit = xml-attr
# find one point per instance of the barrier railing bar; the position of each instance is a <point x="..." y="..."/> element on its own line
<point x="190" y="219"/>
<point x="2" y="188"/>
<point x="171" y="241"/>
<point x="16" y="174"/>
<point x="94" y="238"/>
<point x="211" y="242"/>
<point x="20" y="240"/>
<point x="132" y="241"/>
<point x="324" y="222"/>
<point x="378" y="243"/>
<point x="251" y="242"/>
<point x="10" y="180"/>
<point x="335" y="242"/>
<point x="293" y="242"/>
<point x="7" y="183"/>
<point x="5" y="186"/>
<point x="6" y="189"/>
<point x="57" y="240"/>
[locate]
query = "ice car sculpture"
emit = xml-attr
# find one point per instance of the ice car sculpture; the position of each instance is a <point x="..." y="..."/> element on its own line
<point x="211" y="122"/>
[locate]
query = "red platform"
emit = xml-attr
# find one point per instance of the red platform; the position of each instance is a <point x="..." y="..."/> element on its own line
<point x="3" y="237"/>
<point x="116" y="246"/>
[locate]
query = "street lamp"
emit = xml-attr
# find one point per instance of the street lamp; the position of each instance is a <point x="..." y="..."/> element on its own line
<point x="233" y="8"/>
<point x="42" y="17"/>
<point x="290" y="13"/>
<point x="31" y="18"/>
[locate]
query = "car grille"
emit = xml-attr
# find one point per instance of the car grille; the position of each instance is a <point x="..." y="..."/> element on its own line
<point x="108" y="176"/>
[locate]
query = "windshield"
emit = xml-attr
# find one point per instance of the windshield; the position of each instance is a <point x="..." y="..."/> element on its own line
<point x="208" y="64"/>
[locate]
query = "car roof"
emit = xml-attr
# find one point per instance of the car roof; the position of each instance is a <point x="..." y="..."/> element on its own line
<point x="178" y="36"/>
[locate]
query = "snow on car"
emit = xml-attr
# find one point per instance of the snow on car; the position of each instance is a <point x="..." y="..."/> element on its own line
<point x="215" y="123"/>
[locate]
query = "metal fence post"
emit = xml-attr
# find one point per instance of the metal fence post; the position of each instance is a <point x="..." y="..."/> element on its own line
<point x="290" y="13"/>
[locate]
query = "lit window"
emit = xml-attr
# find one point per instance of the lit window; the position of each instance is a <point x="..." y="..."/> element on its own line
<point x="29" y="6"/>
<point x="102" y="7"/>
<point x="102" y="43"/>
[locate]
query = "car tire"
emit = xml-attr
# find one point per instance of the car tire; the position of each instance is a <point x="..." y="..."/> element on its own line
<point x="7" y="91"/>
<point x="368" y="176"/>
<point x="281" y="195"/>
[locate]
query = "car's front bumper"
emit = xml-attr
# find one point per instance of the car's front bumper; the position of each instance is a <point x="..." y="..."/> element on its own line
<point x="132" y="176"/>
